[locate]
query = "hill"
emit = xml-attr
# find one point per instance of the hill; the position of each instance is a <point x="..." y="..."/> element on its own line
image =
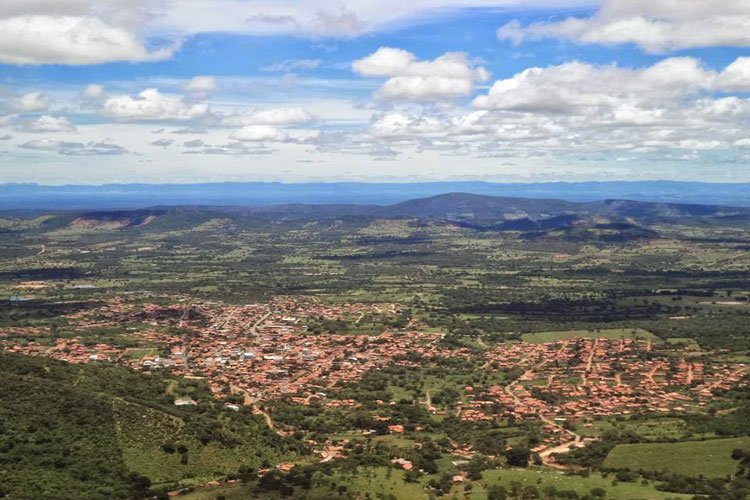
<point x="603" y="221"/>
<point x="104" y="432"/>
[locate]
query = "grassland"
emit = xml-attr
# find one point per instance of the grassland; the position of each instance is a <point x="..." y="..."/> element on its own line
<point x="711" y="458"/>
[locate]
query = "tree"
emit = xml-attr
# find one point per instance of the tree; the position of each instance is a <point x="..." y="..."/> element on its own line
<point x="518" y="456"/>
<point x="497" y="492"/>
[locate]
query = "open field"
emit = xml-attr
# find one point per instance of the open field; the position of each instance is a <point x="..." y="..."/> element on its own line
<point x="710" y="458"/>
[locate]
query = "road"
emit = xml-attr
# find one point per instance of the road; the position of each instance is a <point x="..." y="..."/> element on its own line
<point x="249" y="401"/>
<point x="590" y="361"/>
<point x="576" y="442"/>
<point x="430" y="408"/>
<point x="254" y="328"/>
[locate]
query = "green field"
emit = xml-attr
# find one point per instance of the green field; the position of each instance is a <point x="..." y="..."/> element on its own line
<point x="710" y="458"/>
<point x="613" y="333"/>
<point x="541" y="479"/>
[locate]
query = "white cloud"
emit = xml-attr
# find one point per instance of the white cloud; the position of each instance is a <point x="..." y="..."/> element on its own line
<point x="581" y="87"/>
<point x="736" y="76"/>
<point x="259" y="133"/>
<point x="153" y="105"/>
<point x="672" y="109"/>
<point x="32" y="102"/>
<point x="448" y="76"/>
<point x="93" y="148"/>
<point x="656" y="26"/>
<point x="271" y="116"/>
<point x="323" y="18"/>
<point x="45" y="39"/>
<point x="48" y="124"/>
<point x="407" y="126"/>
<point x="80" y="32"/>
<point x="200" y="84"/>
<point x="94" y="93"/>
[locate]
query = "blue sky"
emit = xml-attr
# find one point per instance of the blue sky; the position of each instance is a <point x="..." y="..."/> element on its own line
<point x="98" y="92"/>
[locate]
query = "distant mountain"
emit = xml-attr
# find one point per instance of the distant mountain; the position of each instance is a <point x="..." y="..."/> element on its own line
<point x="466" y="207"/>
<point x="608" y="218"/>
<point x="473" y="206"/>
<point x="249" y="194"/>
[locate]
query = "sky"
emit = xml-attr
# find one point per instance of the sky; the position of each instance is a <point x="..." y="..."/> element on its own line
<point x="179" y="91"/>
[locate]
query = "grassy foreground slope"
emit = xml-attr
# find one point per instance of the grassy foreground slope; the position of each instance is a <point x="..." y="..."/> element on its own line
<point x="103" y="432"/>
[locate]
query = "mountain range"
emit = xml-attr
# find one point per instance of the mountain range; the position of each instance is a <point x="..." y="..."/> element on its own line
<point x="130" y="196"/>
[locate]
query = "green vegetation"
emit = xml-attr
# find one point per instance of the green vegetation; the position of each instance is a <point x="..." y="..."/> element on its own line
<point x="103" y="432"/>
<point x="711" y="458"/>
<point x="98" y="431"/>
<point x="611" y="333"/>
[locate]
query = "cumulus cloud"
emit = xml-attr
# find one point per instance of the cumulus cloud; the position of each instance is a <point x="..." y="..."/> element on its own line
<point x="259" y="133"/>
<point x="200" y="84"/>
<point x="270" y="116"/>
<point x="448" y="76"/>
<point x="93" y="93"/>
<point x="162" y="143"/>
<point x="72" y="40"/>
<point x="676" y="109"/>
<point x="736" y="76"/>
<point x="47" y="124"/>
<point x="655" y="26"/>
<point x="612" y="91"/>
<point x="152" y="105"/>
<point x="33" y="102"/>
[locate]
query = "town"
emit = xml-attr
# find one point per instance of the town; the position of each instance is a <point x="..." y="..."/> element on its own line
<point x="251" y="355"/>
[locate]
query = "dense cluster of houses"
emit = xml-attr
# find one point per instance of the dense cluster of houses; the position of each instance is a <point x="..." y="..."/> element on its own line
<point x="581" y="379"/>
<point x="265" y="351"/>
